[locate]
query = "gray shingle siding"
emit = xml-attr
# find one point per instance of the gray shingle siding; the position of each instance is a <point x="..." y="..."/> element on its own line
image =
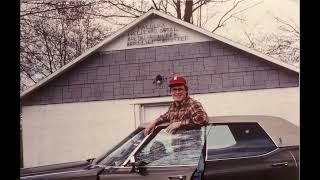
<point x="208" y="67"/>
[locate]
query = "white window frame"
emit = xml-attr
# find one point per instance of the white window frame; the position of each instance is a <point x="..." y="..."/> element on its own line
<point x="139" y="110"/>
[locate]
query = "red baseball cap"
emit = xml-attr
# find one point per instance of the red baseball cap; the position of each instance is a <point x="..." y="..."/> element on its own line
<point x="177" y="80"/>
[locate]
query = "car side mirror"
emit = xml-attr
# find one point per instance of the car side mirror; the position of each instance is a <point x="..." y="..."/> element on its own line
<point x="90" y="160"/>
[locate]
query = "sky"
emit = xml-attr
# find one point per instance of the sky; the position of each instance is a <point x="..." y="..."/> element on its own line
<point x="259" y="19"/>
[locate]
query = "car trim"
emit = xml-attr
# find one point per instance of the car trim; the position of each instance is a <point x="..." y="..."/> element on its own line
<point x="99" y="165"/>
<point x="241" y="157"/>
<point x="126" y="167"/>
<point x="45" y="174"/>
<point x="295" y="161"/>
<point x="173" y="165"/>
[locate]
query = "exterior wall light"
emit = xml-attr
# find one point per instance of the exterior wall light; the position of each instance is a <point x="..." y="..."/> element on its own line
<point x="158" y="80"/>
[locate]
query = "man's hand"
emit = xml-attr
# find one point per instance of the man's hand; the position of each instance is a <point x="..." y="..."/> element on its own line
<point x="173" y="126"/>
<point x="149" y="129"/>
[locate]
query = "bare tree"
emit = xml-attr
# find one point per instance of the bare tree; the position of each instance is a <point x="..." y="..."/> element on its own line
<point x="52" y="34"/>
<point x="181" y="9"/>
<point x="283" y="45"/>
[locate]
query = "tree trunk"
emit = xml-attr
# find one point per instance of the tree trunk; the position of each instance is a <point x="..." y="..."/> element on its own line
<point x="188" y="11"/>
<point x="178" y="4"/>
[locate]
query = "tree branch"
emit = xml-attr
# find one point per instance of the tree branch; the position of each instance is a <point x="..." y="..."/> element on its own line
<point x="247" y="8"/>
<point x="125" y="6"/>
<point x="221" y="21"/>
<point x="56" y="8"/>
<point x="287" y="24"/>
<point x="155" y="5"/>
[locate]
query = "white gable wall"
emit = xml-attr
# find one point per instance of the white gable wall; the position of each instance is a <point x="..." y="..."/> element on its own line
<point x="77" y="131"/>
<point x="155" y="31"/>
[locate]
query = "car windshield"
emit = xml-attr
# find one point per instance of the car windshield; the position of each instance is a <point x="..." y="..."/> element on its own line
<point x="120" y="153"/>
<point x="181" y="148"/>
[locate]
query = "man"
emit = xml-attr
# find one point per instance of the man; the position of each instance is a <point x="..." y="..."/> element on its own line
<point x="184" y="112"/>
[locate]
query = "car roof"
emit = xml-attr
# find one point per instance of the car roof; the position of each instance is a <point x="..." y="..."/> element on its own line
<point x="282" y="132"/>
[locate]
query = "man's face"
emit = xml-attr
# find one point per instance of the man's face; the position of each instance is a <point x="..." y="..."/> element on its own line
<point x="178" y="93"/>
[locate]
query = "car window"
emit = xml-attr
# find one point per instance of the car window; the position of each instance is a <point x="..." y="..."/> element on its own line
<point x="237" y="140"/>
<point x="120" y="154"/>
<point x="181" y="148"/>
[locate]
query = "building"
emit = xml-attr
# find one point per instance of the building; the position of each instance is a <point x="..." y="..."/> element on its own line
<point x="89" y="105"/>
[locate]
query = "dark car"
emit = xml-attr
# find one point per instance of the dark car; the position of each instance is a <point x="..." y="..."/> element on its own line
<point x="229" y="147"/>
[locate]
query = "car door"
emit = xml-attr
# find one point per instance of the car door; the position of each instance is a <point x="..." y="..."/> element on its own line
<point x="162" y="156"/>
<point x="245" y="151"/>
